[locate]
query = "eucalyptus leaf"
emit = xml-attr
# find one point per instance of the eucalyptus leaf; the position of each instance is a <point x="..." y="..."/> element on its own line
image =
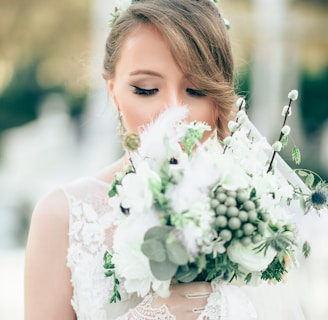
<point x="158" y="232"/>
<point x="154" y="249"/>
<point x="176" y="252"/>
<point x="163" y="271"/>
<point x="186" y="273"/>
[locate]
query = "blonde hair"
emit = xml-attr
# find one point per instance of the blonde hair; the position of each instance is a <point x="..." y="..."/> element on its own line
<point x="198" y="39"/>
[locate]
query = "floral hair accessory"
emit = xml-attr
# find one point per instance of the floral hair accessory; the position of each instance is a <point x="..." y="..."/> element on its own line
<point x="122" y="5"/>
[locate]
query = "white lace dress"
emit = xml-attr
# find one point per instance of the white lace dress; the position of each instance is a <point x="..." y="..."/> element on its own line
<point x="90" y="236"/>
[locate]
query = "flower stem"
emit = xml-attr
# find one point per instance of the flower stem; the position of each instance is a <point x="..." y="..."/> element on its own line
<point x="281" y="134"/>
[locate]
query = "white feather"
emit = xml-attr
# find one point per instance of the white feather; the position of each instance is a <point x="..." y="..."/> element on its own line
<point x="153" y="134"/>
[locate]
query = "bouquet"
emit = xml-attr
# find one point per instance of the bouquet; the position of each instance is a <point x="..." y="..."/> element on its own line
<point x="217" y="210"/>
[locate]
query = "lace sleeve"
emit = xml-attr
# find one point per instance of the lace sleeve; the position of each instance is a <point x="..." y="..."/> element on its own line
<point x="89" y="236"/>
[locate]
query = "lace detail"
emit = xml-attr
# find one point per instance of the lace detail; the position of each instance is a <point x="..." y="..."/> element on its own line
<point x="145" y="311"/>
<point x="89" y="236"/>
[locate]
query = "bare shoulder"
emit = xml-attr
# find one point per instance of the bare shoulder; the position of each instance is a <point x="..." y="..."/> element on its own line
<point x="46" y="253"/>
<point x="52" y="207"/>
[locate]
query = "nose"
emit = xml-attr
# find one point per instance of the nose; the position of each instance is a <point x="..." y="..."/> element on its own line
<point x="174" y="97"/>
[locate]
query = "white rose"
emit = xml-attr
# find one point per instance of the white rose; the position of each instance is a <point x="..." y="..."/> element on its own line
<point x="248" y="258"/>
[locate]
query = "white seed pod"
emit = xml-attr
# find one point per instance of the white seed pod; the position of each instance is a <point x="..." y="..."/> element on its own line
<point x="241" y="103"/>
<point x="285" y="130"/>
<point x="227" y="141"/>
<point x="277" y="146"/>
<point x="285" y="110"/>
<point x="293" y="95"/>
<point x="233" y="126"/>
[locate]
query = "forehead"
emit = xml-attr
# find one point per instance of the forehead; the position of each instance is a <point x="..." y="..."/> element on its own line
<point x="145" y="47"/>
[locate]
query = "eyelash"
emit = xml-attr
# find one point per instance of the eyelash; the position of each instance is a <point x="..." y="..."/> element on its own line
<point x="150" y="92"/>
<point x="144" y="92"/>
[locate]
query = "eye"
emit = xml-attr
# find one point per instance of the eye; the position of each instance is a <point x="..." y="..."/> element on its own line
<point x="194" y="92"/>
<point x="144" y="92"/>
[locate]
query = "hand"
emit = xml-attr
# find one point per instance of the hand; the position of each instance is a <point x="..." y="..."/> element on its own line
<point x="186" y="301"/>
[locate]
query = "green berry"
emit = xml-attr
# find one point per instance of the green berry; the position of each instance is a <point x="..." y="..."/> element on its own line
<point x="246" y="241"/>
<point x="249" y="205"/>
<point x="248" y="229"/>
<point x="225" y="235"/>
<point x="256" y="238"/>
<point x="230" y="202"/>
<point x="261" y="227"/>
<point x="214" y="203"/>
<point x="242" y="196"/>
<point x="252" y="216"/>
<point x="239" y="233"/>
<point x="265" y="216"/>
<point x="221" y="221"/>
<point x="243" y="215"/>
<point x="221" y="197"/>
<point x="232" y="212"/>
<point x="234" y="223"/>
<point x="221" y="209"/>
<point x="232" y="194"/>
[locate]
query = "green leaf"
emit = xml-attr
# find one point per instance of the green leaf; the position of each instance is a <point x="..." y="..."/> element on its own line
<point x="284" y="141"/>
<point x="302" y="173"/>
<point x="154" y="249"/>
<point x="163" y="270"/>
<point x="309" y="180"/>
<point x="296" y="155"/>
<point x="158" y="232"/>
<point x="176" y="252"/>
<point x="186" y="273"/>
<point x="306" y="249"/>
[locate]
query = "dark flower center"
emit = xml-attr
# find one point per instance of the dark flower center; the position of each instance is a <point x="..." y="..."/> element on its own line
<point x="173" y="161"/>
<point x="319" y="198"/>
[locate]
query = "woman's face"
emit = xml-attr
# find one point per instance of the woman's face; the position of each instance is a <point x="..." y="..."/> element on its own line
<point x="147" y="80"/>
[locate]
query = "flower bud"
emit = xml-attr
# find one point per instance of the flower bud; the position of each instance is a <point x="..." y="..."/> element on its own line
<point x="293" y="95"/>
<point x="285" y="130"/>
<point x="233" y="126"/>
<point x="285" y="110"/>
<point x="277" y="146"/>
<point x="242" y="117"/>
<point x="241" y="103"/>
<point x="227" y="140"/>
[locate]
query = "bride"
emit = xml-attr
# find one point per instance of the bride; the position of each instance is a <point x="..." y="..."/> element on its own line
<point x="158" y="53"/>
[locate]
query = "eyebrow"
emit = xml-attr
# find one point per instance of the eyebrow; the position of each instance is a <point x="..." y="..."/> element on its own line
<point x="146" y="72"/>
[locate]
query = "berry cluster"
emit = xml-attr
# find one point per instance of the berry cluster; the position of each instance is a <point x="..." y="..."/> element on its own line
<point x="238" y="216"/>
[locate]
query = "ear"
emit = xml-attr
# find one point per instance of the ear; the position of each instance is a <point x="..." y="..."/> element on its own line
<point x="111" y="91"/>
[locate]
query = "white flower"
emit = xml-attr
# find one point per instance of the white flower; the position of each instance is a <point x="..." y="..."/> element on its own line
<point x="248" y="258"/>
<point x="232" y="175"/>
<point x="130" y="263"/>
<point x="293" y="95"/>
<point x="135" y="192"/>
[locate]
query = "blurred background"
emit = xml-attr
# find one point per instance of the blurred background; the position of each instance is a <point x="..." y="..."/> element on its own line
<point x="57" y="123"/>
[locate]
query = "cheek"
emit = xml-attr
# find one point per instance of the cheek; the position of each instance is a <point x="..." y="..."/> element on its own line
<point x="204" y="111"/>
<point x="136" y="113"/>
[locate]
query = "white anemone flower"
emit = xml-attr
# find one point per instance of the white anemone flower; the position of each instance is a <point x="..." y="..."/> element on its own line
<point x="135" y="192"/>
<point x="247" y="257"/>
